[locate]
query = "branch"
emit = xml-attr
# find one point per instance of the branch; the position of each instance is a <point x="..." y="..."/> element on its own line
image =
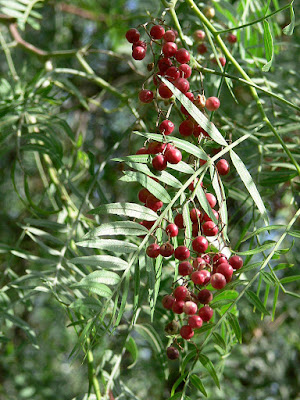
<point x="80" y="12"/>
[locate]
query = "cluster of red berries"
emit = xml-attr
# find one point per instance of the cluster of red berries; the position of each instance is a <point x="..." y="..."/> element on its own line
<point x="198" y="266"/>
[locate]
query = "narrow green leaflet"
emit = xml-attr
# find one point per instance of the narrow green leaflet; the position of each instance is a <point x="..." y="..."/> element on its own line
<point x="23" y="325"/>
<point x="155" y="188"/>
<point x="187" y="223"/>
<point x="249" y="183"/>
<point x="219" y="340"/>
<point x="131" y="346"/>
<point x="94" y="287"/>
<point x="205" y="361"/>
<point x="117" y="228"/>
<point x="289" y="29"/>
<point x="182" y="167"/>
<point x="103" y="261"/>
<point x="106" y="277"/>
<point x="234" y="323"/>
<point x="220" y="193"/>
<point x="205" y="204"/>
<point x="126" y="209"/>
<point x="124" y="299"/>
<point x="198" y="116"/>
<point x="196" y="381"/>
<point x="137" y="158"/>
<point x="255" y="300"/>
<point x="258" y="249"/>
<point x="269" y="47"/>
<point x="117" y="246"/>
<point x="289" y="279"/>
<point x="262" y="229"/>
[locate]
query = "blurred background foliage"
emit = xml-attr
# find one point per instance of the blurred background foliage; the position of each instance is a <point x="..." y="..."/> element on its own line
<point x="85" y="125"/>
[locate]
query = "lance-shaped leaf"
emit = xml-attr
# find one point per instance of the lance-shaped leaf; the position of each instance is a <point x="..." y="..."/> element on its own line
<point x="138" y="158"/>
<point x="205" y="361"/>
<point x="182" y="167"/>
<point x="234" y="323"/>
<point x="117" y="246"/>
<point x="269" y="47"/>
<point x="196" y="381"/>
<point x="117" y="228"/>
<point x="255" y="300"/>
<point x="249" y="183"/>
<point x="220" y="193"/>
<point x="205" y="204"/>
<point x="106" y="277"/>
<point x="94" y="287"/>
<point x="126" y="209"/>
<point x="102" y="261"/>
<point x="289" y="29"/>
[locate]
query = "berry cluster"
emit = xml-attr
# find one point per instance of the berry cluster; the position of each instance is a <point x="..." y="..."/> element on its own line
<point x="201" y="264"/>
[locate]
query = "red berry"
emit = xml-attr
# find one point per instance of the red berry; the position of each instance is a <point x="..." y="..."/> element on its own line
<point x="166" y="127"/>
<point x="195" y="321"/>
<point x="195" y="229"/>
<point x="206" y="258"/>
<point x="142" y="150"/>
<point x="209" y="228"/>
<point x="185" y="70"/>
<point x="138" y="53"/>
<point x="177" y="307"/>
<point x="186" y="332"/>
<point x="205" y="296"/>
<point x="236" y="262"/>
<point x="182" y="56"/>
<point x="179" y="221"/>
<point x="132" y="35"/>
<point x="153" y="203"/>
<point x="169" y="36"/>
<point x="199" y="131"/>
<point x="169" y="49"/>
<point x="223" y="167"/>
<point x="163" y="64"/>
<point x="159" y="162"/>
<point x="172" y="73"/>
<point x="156" y="79"/>
<point x="206" y="217"/>
<point x="212" y="103"/>
<point x="217" y="256"/>
<point x="155" y="147"/>
<point x="211" y="199"/>
<point x="226" y="270"/>
<point x="193" y="184"/>
<point x="190" y="96"/>
<point x="173" y="156"/>
<point x="157" y="32"/>
<point x="166" y="249"/>
<point x="164" y="91"/>
<point x="172" y="230"/>
<point x="202" y="49"/>
<point x="190" y="308"/>
<point x="200" y="277"/>
<point x="153" y="250"/>
<point x="218" y="281"/>
<point x="146" y="96"/>
<point x="140" y="43"/>
<point x="172" y="353"/>
<point x="206" y="313"/>
<point x="200" y="244"/>
<point x="231" y="38"/>
<point x="185" y="268"/>
<point x="182" y="84"/>
<point x="222" y="61"/>
<point x="168" y="301"/>
<point x="186" y="128"/>
<point x="199" y="35"/>
<point x="181" y="253"/>
<point x="180" y="293"/>
<point x="195" y="215"/>
<point x="143" y="194"/>
<point x="199" y="263"/>
<point x="221" y="260"/>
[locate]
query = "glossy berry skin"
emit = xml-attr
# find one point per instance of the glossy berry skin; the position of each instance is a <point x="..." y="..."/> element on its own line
<point x="206" y="313"/>
<point x="205" y="296"/>
<point x="164" y="91"/>
<point x="179" y="221"/>
<point x="181" y="253"/>
<point x="226" y="270"/>
<point x="209" y="12"/>
<point x="153" y="147"/>
<point x="147" y="224"/>
<point x="209" y="228"/>
<point x="217" y="257"/>
<point x="211" y="199"/>
<point x="185" y="71"/>
<point x="157" y="32"/>
<point x="180" y="293"/>
<point x="182" y="56"/>
<point x="143" y="194"/>
<point x="169" y="36"/>
<point x="199" y="263"/>
<point x="153" y="203"/>
<point x="199" y="35"/>
<point x="195" y="229"/>
<point x="177" y="307"/>
<point x="190" y="308"/>
<point x="223" y="167"/>
<point x="142" y="150"/>
<point x="206" y="258"/>
<point x="159" y="162"/>
<point x="132" y="35"/>
<point x="172" y="353"/>
<point x="169" y="49"/>
<point x="218" y="281"/>
<point x="200" y="244"/>
<point x="168" y="301"/>
<point x="172" y="73"/>
<point x="186" y="332"/>
<point x="173" y="156"/>
<point x="202" y="48"/>
<point x="185" y="268"/>
<point x="221" y="260"/>
<point x="198" y="130"/>
<point x="222" y="61"/>
<point x="166" y="127"/>
<point x="212" y="103"/>
<point x="138" y="53"/>
<point x="153" y="250"/>
<point x="140" y="43"/>
<point x="182" y="84"/>
<point x="195" y="215"/>
<point x="146" y="96"/>
<point x="163" y="64"/>
<point x="206" y="218"/>
<point x="166" y="249"/>
<point x="172" y="230"/>
<point x="236" y="262"/>
<point x="198" y="278"/>
<point x="231" y="38"/>
<point x="186" y="128"/>
<point x="195" y="322"/>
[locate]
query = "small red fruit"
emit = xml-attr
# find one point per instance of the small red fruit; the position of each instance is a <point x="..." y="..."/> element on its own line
<point x="173" y="156"/>
<point x="206" y="313"/>
<point x="207" y="218"/>
<point x="172" y="230"/>
<point x="231" y="38"/>
<point x="186" y="70"/>
<point x="146" y="96"/>
<point x="195" y="321"/>
<point x="209" y="228"/>
<point x="205" y="296"/>
<point x="211" y="199"/>
<point x="222" y="61"/>
<point x="181" y="253"/>
<point x="157" y="32"/>
<point x="223" y="167"/>
<point x="164" y="91"/>
<point x="169" y="49"/>
<point x="177" y="307"/>
<point x="195" y="229"/>
<point x="138" y="53"/>
<point x="185" y="268"/>
<point x="186" y="332"/>
<point x="193" y="184"/>
<point x="140" y="43"/>
<point x="143" y="194"/>
<point x="163" y="64"/>
<point x="166" y="249"/>
<point x="172" y="353"/>
<point x="172" y="73"/>
<point x="153" y="250"/>
<point x="200" y="244"/>
<point x="182" y="56"/>
<point x="202" y="49"/>
<point x="180" y="293"/>
<point x="159" y="162"/>
<point x="166" y="127"/>
<point x="153" y="203"/>
<point x="226" y="270"/>
<point x="142" y="150"/>
<point x="186" y="128"/>
<point x="218" y="281"/>
<point x="236" y="262"/>
<point x="168" y="301"/>
<point x="179" y="221"/>
<point x="182" y="84"/>
<point x="169" y="36"/>
<point x="206" y="258"/>
<point x="212" y="103"/>
<point x="195" y="215"/>
<point x="190" y="308"/>
<point x="132" y="35"/>
<point x="199" y="35"/>
<point x="199" y="263"/>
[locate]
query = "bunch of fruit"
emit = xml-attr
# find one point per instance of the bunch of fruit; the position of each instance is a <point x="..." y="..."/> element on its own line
<point x="202" y="264"/>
